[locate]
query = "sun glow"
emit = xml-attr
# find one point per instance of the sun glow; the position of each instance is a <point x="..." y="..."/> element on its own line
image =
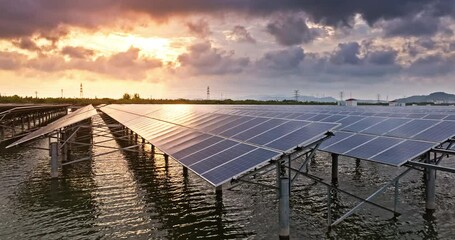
<point x="165" y="49"/>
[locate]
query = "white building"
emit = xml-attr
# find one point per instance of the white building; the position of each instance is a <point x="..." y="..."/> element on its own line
<point x="396" y="104"/>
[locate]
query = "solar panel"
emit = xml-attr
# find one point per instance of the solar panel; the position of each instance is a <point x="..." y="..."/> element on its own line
<point x="72" y="118"/>
<point x="349" y="143"/>
<point x="218" y="142"/>
<point x="373" y="147"/>
<point x="411" y="128"/>
<point x="438" y="133"/>
<point x="403" y="152"/>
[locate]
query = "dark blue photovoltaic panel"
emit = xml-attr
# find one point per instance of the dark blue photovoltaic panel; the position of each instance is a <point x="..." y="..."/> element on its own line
<point x="349" y="143"/>
<point x="235" y="130"/>
<point x="450" y="117"/>
<point x="283" y="115"/>
<point x="373" y="147"/>
<point x="334" y="118"/>
<point x="197" y="147"/>
<point x="382" y="114"/>
<point x="207" y="152"/>
<point x="240" y="165"/>
<point x="173" y="135"/>
<point x="403" y="152"/>
<point x="258" y="129"/>
<point x="435" y="116"/>
<point x="277" y="132"/>
<point x="412" y="128"/>
<point x="416" y="115"/>
<point x="232" y="124"/>
<point x="398" y="115"/>
<point x="387" y="125"/>
<point x="363" y="124"/>
<point x="214" y="125"/>
<point x="334" y="139"/>
<point x="185" y="141"/>
<point x="305" y="116"/>
<point x="349" y="120"/>
<point x="439" y="133"/>
<point x="293" y="115"/>
<point x="221" y="157"/>
<point x="300" y="136"/>
<point x="319" y="117"/>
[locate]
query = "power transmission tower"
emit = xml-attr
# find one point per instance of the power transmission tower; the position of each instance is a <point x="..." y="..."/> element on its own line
<point x="379" y="98"/>
<point x="208" y="92"/>
<point x="36" y="94"/>
<point x="296" y="95"/>
<point x="61" y="92"/>
<point x="81" y="93"/>
<point x="341" y="95"/>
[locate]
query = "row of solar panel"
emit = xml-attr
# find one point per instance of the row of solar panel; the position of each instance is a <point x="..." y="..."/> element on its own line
<point x="319" y="116"/>
<point x="348" y="110"/>
<point x="201" y="145"/>
<point x="416" y="129"/>
<point x="72" y="118"/>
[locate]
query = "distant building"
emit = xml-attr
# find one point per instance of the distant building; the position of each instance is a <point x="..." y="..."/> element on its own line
<point x="396" y="104"/>
<point x="351" y="102"/>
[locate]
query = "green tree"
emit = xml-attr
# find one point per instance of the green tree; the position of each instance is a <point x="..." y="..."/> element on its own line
<point x="126" y="96"/>
<point x="136" y="96"/>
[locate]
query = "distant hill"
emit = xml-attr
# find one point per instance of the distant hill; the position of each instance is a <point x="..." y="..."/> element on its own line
<point x="437" y="97"/>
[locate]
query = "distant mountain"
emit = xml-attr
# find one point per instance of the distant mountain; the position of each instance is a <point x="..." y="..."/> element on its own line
<point x="437" y="97"/>
<point x="301" y="98"/>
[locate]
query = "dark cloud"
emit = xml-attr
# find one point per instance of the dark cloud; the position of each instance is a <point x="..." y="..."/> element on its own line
<point x="240" y="34"/>
<point x="346" y="53"/>
<point x="432" y="66"/>
<point x="385" y="57"/>
<point x="27" y="44"/>
<point x="25" y="17"/>
<point x="291" y="30"/>
<point x="282" y="60"/>
<point x="416" y="25"/>
<point x="77" y="52"/>
<point x="203" y="59"/>
<point x="199" y="28"/>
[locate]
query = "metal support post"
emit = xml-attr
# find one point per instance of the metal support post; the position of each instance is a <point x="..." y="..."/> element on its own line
<point x="329" y="206"/>
<point x="334" y="169"/>
<point x="153" y="150"/>
<point x="185" y="172"/>
<point x="166" y="160"/>
<point x="284" y="208"/>
<point x="219" y="191"/>
<point x="397" y="197"/>
<point x="430" y="189"/>
<point x="54" y="159"/>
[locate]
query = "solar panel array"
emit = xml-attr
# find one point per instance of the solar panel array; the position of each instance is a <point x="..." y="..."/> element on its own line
<point x="389" y="135"/>
<point x="74" y="117"/>
<point x="216" y="146"/>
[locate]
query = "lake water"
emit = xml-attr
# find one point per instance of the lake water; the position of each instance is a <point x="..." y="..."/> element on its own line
<point x="131" y="195"/>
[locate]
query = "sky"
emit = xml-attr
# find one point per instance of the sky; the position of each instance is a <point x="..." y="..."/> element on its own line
<point x="239" y="48"/>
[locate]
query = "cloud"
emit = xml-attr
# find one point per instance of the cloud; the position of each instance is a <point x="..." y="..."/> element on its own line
<point x="291" y="30"/>
<point x="199" y="28"/>
<point x="11" y="60"/>
<point x="77" y="52"/>
<point x="416" y="25"/>
<point x="282" y="60"/>
<point x="240" y="34"/>
<point x="127" y="65"/>
<point x="203" y="59"/>
<point x="25" y="17"/>
<point x="27" y="44"/>
<point x="346" y="53"/>
<point x="432" y="66"/>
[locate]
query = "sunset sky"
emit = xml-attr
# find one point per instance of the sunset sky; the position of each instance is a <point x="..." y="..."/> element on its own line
<point x="240" y="48"/>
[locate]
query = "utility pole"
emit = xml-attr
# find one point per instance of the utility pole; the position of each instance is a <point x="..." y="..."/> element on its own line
<point x="208" y="92"/>
<point x="81" y="93"/>
<point x="61" y="92"/>
<point x="296" y="95"/>
<point x="36" y="94"/>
